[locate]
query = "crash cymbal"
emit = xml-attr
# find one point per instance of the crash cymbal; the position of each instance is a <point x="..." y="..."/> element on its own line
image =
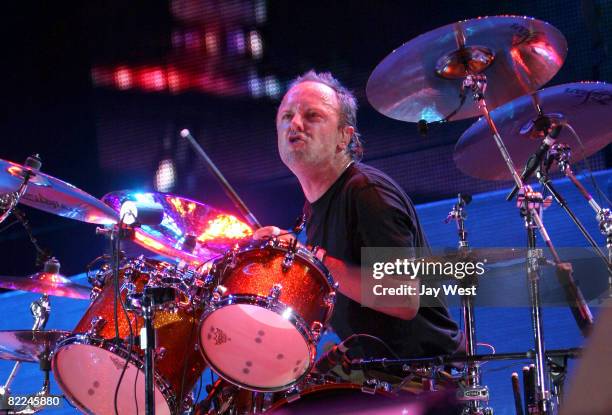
<point x="586" y="106"/>
<point x="46" y="283"/>
<point x="422" y="79"/>
<point x="191" y="231"/>
<point x="28" y="345"/>
<point x="52" y="195"/>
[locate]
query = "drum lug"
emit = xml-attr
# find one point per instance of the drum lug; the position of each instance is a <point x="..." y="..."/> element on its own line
<point x="288" y="261"/>
<point x="275" y="292"/>
<point x="96" y="324"/>
<point x="316" y="327"/>
<point x="95" y="292"/>
<point x="330" y="299"/>
<point x="219" y="292"/>
<point x="160" y="352"/>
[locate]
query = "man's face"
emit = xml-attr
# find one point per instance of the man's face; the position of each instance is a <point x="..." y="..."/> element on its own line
<point x="308" y="126"/>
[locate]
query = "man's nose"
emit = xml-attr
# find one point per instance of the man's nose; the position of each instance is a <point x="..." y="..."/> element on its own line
<point x="297" y="122"/>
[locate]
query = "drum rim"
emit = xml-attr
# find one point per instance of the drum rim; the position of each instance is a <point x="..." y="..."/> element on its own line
<point x="275" y="306"/>
<point x="275" y="243"/>
<point x="119" y="350"/>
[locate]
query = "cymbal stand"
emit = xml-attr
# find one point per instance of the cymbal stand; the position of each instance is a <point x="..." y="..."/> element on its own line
<point x="40" y="310"/>
<point x="530" y="205"/>
<point x="561" y="153"/>
<point x="474" y="388"/>
<point x="8" y="201"/>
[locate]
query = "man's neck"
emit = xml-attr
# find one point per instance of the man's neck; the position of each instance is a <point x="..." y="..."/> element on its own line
<point x="315" y="182"/>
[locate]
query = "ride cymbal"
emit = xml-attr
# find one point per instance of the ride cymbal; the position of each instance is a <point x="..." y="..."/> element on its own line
<point x="422" y="79"/>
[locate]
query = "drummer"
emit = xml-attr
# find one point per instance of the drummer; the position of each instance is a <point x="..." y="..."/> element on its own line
<point x="350" y="205"/>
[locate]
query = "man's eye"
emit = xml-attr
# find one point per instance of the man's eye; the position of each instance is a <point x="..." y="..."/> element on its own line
<point x="287" y="116"/>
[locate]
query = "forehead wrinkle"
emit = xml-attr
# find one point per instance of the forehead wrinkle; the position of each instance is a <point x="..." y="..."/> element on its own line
<point x="326" y="95"/>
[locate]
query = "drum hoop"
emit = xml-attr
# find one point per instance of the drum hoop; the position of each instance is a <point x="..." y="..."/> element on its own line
<point x="314" y="388"/>
<point x="269" y="304"/>
<point x="301" y="253"/>
<point x="118" y="350"/>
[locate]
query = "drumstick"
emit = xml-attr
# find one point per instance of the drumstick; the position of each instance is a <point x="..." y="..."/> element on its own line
<point x="516" y="389"/>
<point x="229" y="190"/>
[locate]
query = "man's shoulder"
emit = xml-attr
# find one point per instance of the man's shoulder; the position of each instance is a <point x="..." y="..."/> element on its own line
<point x="365" y="177"/>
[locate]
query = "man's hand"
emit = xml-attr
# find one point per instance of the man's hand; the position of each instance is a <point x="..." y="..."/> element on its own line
<point x="269" y="232"/>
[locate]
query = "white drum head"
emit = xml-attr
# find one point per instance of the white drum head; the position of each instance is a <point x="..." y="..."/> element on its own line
<point x="88" y="375"/>
<point x="254" y="347"/>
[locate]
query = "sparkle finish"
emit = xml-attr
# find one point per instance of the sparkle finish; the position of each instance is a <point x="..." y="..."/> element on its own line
<point x="213" y="231"/>
<point x="176" y="331"/>
<point x="527" y="53"/>
<point x="304" y="285"/>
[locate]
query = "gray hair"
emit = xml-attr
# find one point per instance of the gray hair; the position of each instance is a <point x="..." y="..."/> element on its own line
<point x="348" y="107"/>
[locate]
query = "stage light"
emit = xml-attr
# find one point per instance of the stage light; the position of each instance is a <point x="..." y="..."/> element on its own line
<point x="123" y="78"/>
<point x="272" y="86"/>
<point x="165" y="176"/>
<point x="255" y="44"/>
<point x="261" y="12"/>
<point x="256" y="86"/>
<point x="212" y="43"/>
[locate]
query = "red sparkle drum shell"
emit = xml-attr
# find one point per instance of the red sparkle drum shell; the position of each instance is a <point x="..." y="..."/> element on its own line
<point x="87" y="366"/>
<point x="257" y="342"/>
<point x="353" y="399"/>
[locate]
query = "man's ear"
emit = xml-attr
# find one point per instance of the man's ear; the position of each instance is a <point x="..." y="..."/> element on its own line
<point x="347" y="133"/>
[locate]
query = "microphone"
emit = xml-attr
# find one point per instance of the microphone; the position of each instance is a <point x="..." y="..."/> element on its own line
<point x="536" y="158"/>
<point x="334" y="356"/>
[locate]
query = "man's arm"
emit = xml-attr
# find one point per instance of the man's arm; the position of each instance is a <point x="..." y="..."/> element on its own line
<point x="349" y="279"/>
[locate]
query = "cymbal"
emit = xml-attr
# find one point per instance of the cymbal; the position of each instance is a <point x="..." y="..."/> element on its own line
<point x="28" y="345"/>
<point x="421" y="80"/>
<point x="190" y="231"/>
<point x="584" y="105"/>
<point x="52" y="195"/>
<point x="47" y="283"/>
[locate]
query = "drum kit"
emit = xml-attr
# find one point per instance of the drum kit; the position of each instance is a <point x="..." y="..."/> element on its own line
<point x="253" y="311"/>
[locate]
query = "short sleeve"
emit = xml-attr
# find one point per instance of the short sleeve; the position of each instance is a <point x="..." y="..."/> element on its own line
<point x="384" y="217"/>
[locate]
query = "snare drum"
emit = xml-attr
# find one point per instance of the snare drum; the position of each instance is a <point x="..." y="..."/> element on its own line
<point x="266" y="315"/>
<point x="88" y="364"/>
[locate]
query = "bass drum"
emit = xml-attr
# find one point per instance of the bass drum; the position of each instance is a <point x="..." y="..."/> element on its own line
<point x="88" y="365"/>
<point x="352" y="399"/>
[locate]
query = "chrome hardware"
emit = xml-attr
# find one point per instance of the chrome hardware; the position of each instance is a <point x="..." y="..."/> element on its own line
<point x="288" y="261"/>
<point x="160" y="352"/>
<point x="316" y="327"/>
<point x="275" y="292"/>
<point x="330" y="299"/>
<point x="96" y="324"/>
<point x="218" y="292"/>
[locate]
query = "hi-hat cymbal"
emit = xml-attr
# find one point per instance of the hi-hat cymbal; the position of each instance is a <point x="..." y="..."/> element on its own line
<point x="586" y="106"/>
<point x="52" y="195"/>
<point x="191" y="231"/>
<point x="47" y="283"/>
<point x="28" y="345"/>
<point x="421" y="80"/>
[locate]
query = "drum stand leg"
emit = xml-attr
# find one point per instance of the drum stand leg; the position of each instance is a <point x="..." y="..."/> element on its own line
<point x="147" y="342"/>
<point x="474" y="387"/>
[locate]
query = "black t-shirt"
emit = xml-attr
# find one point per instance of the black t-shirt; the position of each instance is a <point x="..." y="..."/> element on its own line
<point x="366" y="208"/>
